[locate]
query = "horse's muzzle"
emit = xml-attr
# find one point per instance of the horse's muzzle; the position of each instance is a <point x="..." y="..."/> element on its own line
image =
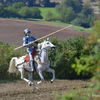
<point x="53" y="48"/>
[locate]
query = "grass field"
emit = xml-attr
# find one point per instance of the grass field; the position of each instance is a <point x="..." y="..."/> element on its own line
<point x="44" y="11"/>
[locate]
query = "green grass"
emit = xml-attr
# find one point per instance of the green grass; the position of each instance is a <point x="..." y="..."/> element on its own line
<point x="81" y="29"/>
<point x="44" y="11"/>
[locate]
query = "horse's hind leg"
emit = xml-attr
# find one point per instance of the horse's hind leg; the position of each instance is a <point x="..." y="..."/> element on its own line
<point x="53" y="71"/>
<point x="22" y="75"/>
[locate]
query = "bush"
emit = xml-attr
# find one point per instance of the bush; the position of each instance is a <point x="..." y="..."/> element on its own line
<point x="88" y="64"/>
<point x="35" y="13"/>
<point x="76" y="21"/>
<point x="84" y="21"/>
<point x="99" y="5"/>
<point x="50" y="17"/>
<point x="65" y="54"/>
<point x="6" y="53"/>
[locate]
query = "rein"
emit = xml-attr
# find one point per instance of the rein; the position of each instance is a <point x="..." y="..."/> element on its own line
<point x="41" y="62"/>
<point x="38" y="61"/>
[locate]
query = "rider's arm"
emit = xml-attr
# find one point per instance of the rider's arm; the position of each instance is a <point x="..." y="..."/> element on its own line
<point x="35" y="39"/>
<point x="25" y="42"/>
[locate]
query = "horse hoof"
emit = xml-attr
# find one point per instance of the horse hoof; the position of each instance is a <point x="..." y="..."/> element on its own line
<point x="38" y="82"/>
<point x="36" y="87"/>
<point x="51" y="81"/>
<point x="29" y="83"/>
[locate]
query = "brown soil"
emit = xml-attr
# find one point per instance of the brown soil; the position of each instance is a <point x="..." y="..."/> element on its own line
<point x="21" y="91"/>
<point x="12" y="31"/>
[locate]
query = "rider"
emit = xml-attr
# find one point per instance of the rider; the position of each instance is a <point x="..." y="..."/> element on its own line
<point x="27" y="41"/>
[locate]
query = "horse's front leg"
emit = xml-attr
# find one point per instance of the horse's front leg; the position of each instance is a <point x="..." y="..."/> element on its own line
<point x="53" y="71"/>
<point x="41" y="76"/>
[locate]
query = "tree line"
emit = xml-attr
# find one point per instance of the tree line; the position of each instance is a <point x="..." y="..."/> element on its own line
<point x="29" y="3"/>
<point x="74" y="12"/>
<point x="69" y="11"/>
<point x="20" y="10"/>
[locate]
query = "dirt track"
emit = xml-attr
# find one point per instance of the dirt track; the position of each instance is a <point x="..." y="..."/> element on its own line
<point x="21" y="91"/>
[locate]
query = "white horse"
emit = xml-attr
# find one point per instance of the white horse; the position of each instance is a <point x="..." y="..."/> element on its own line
<point x="41" y="63"/>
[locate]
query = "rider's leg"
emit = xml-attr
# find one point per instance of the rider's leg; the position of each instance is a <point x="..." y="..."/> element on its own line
<point x="31" y="61"/>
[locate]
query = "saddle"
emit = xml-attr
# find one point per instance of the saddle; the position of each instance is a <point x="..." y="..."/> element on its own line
<point x="27" y="58"/>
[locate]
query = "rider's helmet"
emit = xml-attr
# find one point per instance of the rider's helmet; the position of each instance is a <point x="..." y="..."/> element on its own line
<point x="27" y="32"/>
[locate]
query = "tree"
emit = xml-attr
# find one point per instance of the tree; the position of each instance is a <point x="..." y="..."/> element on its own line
<point x="87" y="9"/>
<point x="84" y="21"/>
<point x="1" y="10"/>
<point x="11" y="12"/>
<point x="35" y="12"/>
<point x="67" y="15"/>
<point x="46" y="3"/>
<point x="75" y="4"/>
<point x="25" y="12"/>
<point x="18" y="5"/>
<point x="78" y="6"/>
<point x="30" y="3"/>
<point x="58" y="8"/>
<point x="32" y="12"/>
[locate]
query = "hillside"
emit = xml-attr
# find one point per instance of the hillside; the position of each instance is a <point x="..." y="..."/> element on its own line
<point x="12" y="31"/>
<point x="93" y="4"/>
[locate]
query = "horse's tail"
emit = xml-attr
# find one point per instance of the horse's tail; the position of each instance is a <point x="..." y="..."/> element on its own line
<point x="12" y="65"/>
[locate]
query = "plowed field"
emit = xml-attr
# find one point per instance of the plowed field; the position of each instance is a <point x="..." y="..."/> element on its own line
<point x="21" y="91"/>
<point x="12" y="31"/>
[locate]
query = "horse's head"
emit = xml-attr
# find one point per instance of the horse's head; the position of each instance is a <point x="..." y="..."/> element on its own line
<point x="46" y="44"/>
